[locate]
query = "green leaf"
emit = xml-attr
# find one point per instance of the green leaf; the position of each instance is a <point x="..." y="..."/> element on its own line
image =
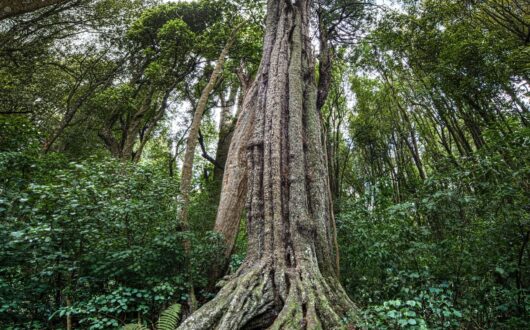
<point x="411" y="303"/>
<point x="392" y="314"/>
<point x="169" y="318"/>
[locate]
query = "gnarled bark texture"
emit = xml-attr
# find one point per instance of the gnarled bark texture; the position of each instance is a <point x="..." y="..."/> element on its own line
<point x="289" y="277"/>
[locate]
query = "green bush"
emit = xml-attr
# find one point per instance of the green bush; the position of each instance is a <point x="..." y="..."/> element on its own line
<point x="99" y="233"/>
<point x="452" y="255"/>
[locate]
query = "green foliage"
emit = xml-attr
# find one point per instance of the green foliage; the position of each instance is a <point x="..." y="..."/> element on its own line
<point x="435" y="225"/>
<point x="169" y="318"/>
<point x="427" y="308"/>
<point x="426" y="126"/>
<point x="133" y="326"/>
<point x="17" y="133"/>
<point x="450" y="255"/>
<point x="99" y="232"/>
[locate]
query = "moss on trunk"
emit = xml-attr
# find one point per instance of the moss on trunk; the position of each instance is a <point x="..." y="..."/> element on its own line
<point x="289" y="278"/>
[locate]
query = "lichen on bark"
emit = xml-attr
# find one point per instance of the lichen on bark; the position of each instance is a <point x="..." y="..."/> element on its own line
<point x="289" y="279"/>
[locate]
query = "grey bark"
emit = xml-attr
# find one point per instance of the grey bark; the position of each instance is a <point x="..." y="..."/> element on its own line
<point x="226" y="131"/>
<point x="289" y="278"/>
<point x="191" y="144"/>
<point x="234" y="185"/>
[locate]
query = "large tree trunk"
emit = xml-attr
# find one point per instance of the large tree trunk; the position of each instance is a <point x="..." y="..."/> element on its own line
<point x="289" y="277"/>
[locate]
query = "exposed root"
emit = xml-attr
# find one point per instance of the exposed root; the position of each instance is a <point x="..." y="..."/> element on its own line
<point x="237" y="302"/>
<point x="288" y="280"/>
<point x="252" y="301"/>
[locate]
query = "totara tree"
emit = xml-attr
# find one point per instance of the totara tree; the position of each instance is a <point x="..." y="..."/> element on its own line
<point x="289" y="279"/>
<point x="339" y="23"/>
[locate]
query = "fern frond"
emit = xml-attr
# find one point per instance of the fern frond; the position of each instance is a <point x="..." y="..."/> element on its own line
<point x="134" y="326"/>
<point x="169" y="318"/>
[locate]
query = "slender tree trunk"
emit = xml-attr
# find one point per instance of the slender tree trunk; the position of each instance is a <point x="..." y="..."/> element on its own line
<point x="69" y="325"/>
<point x="234" y="187"/>
<point x="289" y="277"/>
<point x="324" y="65"/>
<point x="123" y="149"/>
<point x="60" y="129"/>
<point x="191" y="144"/>
<point x="150" y="126"/>
<point x="416" y="154"/>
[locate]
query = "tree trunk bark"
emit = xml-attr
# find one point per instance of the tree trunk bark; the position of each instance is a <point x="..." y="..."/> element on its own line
<point x="69" y="323"/>
<point x="191" y="144"/>
<point x="193" y="134"/>
<point x="234" y="188"/>
<point x="226" y="131"/>
<point x="324" y="67"/>
<point x="289" y="278"/>
<point x="234" y="183"/>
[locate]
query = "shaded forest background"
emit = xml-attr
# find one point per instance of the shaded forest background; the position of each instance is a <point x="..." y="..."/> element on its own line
<point x="426" y="123"/>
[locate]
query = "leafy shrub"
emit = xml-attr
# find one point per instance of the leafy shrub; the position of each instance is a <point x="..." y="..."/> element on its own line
<point x="96" y="239"/>
<point x="450" y="256"/>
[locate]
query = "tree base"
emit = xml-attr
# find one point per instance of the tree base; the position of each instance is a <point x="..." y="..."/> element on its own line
<point x="264" y="297"/>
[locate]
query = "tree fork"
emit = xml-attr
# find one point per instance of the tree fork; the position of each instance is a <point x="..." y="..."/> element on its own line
<point x="191" y="144"/>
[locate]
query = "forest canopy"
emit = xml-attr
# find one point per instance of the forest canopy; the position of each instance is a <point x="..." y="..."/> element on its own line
<point x="243" y="164"/>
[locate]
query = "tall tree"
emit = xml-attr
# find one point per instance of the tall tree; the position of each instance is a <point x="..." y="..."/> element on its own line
<point x="289" y="278"/>
<point x="191" y="144"/>
<point x="234" y="188"/>
<point x="335" y="18"/>
<point x="232" y="178"/>
<point x="163" y="53"/>
<point x="226" y="130"/>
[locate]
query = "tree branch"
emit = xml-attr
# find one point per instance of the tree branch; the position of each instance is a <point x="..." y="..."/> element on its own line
<point x="205" y="153"/>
